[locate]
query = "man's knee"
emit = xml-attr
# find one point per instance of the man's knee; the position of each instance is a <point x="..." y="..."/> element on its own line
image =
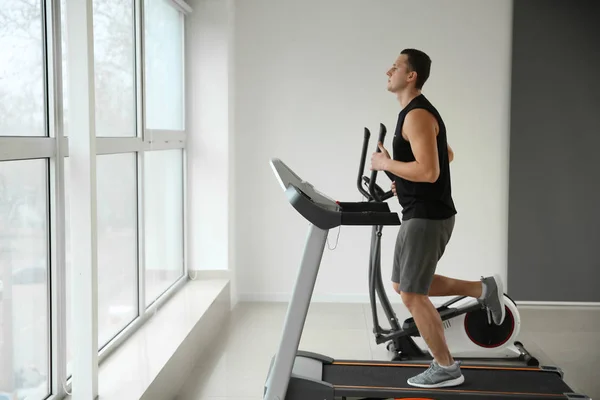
<point x="412" y="300"/>
<point x="396" y="287"/>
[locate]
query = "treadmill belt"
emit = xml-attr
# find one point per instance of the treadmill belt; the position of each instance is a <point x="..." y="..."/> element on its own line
<point x="353" y="377"/>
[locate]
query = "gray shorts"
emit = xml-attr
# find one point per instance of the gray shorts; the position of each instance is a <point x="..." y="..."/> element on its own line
<point x="419" y="246"/>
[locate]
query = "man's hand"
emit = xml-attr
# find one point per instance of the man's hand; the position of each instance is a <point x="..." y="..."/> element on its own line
<point x="394" y="188"/>
<point x="379" y="159"/>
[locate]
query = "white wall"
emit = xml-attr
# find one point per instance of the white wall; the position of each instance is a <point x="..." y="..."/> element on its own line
<point x="306" y="85"/>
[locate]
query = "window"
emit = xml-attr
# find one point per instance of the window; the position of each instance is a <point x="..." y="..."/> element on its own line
<point x="164" y="66"/>
<point x="139" y="180"/>
<point x="114" y="67"/>
<point x="163" y="182"/>
<point x="117" y="244"/>
<point x="117" y="221"/>
<point x="163" y="168"/>
<point x="24" y="289"/>
<point x="21" y="69"/>
<point x="25" y="351"/>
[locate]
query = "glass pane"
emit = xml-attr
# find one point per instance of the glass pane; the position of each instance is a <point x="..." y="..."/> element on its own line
<point x="117" y="245"/>
<point x="24" y="279"/>
<point x="21" y="69"/>
<point x="114" y="67"/>
<point x="164" y="65"/>
<point x="163" y="196"/>
<point x="65" y="65"/>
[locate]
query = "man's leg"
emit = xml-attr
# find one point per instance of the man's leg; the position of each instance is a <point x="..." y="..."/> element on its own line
<point x="430" y="326"/>
<point x="444" y="286"/>
<point x="420" y="305"/>
<point x="444" y="371"/>
<point x="488" y="291"/>
<point x="419" y="246"/>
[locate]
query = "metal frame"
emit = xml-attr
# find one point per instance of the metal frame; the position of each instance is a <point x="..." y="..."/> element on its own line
<point x="54" y="147"/>
<point x="164" y="140"/>
<point x="83" y="198"/>
<point x="22" y="148"/>
<point x="140" y="126"/>
<point x="182" y="6"/>
<point x="58" y="357"/>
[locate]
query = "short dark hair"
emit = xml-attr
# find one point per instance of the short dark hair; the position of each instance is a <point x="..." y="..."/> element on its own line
<point x="421" y="63"/>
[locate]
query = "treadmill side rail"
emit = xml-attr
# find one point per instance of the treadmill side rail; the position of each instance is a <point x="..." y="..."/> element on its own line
<point x="577" y="396"/>
<point x="443" y="393"/>
<point x="316" y="356"/>
<point x="551" y="368"/>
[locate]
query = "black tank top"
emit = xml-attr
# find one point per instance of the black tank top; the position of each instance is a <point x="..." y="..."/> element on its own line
<point x="423" y="199"/>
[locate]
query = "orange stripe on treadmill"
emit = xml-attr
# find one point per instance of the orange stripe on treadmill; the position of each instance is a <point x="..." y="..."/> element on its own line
<point x="427" y="365"/>
<point x="416" y="389"/>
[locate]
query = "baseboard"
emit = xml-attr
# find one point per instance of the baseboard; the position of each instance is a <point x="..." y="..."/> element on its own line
<point x="559" y="304"/>
<point x="350" y="298"/>
<point x="364" y="299"/>
<point x="209" y="274"/>
<point x="317" y="298"/>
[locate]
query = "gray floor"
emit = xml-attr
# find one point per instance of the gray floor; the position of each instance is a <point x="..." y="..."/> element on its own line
<point x="236" y="369"/>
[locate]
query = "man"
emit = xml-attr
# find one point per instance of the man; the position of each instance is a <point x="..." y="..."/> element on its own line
<point x="421" y="166"/>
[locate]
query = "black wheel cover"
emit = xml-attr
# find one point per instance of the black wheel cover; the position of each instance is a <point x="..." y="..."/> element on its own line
<point x="488" y="335"/>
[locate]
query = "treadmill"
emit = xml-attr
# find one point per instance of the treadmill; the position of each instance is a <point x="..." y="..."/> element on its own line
<point x="299" y="375"/>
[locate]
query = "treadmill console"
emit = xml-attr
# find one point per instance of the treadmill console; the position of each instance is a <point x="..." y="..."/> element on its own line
<point x="324" y="212"/>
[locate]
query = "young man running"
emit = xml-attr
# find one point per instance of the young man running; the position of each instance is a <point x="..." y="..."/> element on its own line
<point x="421" y="165"/>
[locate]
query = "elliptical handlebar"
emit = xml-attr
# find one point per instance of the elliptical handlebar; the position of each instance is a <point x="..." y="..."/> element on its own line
<point x="362" y="163"/>
<point x="374" y="193"/>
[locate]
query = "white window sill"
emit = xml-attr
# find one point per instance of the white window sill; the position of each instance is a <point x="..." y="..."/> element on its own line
<point x="153" y="363"/>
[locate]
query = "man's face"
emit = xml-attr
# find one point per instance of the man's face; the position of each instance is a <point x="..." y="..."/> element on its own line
<point x="399" y="76"/>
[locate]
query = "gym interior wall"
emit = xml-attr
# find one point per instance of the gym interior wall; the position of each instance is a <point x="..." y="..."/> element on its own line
<point x="554" y="177"/>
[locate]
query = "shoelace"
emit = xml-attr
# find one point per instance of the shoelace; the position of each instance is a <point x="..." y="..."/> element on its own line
<point x="429" y="372"/>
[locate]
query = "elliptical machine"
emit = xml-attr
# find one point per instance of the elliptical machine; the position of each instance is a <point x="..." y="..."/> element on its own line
<point x="470" y="333"/>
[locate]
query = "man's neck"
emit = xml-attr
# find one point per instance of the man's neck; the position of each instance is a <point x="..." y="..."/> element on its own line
<point x="405" y="97"/>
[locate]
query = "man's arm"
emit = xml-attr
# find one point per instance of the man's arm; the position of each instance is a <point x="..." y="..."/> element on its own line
<point x="420" y="129"/>
<point x="450" y="154"/>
